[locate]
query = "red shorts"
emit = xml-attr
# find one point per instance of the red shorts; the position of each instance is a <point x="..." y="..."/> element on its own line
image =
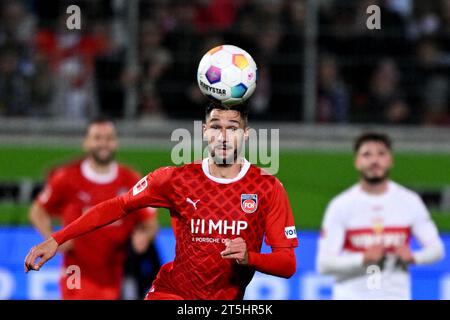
<point x="89" y="291"/>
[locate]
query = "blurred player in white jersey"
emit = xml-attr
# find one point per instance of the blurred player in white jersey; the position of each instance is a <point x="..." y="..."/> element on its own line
<point x="365" y="237"/>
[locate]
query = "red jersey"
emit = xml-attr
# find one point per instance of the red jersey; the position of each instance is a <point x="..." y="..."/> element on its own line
<point x="206" y="211"/>
<point x="69" y="192"/>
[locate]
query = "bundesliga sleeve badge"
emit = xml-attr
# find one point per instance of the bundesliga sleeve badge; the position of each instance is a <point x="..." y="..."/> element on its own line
<point x="140" y="186"/>
<point x="249" y="202"/>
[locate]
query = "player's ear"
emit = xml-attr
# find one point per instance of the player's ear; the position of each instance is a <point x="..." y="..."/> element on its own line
<point x="391" y="157"/>
<point x="356" y="162"/>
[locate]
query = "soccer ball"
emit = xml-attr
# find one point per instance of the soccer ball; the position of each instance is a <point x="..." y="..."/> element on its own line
<point x="227" y="74"/>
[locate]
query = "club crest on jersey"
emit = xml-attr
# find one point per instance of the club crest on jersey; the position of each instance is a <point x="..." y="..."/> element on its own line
<point x="249" y="202"/>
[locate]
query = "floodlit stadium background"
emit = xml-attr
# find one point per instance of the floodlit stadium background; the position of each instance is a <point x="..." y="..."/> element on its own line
<point x="323" y="78"/>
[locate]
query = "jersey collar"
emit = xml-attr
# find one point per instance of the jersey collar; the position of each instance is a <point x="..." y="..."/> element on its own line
<point x="244" y="169"/>
<point x="99" y="178"/>
<point x="390" y="187"/>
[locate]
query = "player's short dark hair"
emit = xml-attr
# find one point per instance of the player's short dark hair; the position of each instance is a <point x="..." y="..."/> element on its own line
<point x="242" y="108"/>
<point x="98" y="120"/>
<point x="372" y="137"/>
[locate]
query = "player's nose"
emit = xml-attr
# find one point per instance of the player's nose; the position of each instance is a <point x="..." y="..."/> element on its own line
<point x="222" y="137"/>
<point x="375" y="165"/>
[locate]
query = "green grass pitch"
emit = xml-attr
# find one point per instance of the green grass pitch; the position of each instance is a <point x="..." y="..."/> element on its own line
<point x="311" y="178"/>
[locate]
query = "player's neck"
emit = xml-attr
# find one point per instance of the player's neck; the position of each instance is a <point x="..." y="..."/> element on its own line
<point x="99" y="167"/>
<point x="375" y="189"/>
<point x="226" y="171"/>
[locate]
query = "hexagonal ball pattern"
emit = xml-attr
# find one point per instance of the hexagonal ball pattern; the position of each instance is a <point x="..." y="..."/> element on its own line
<point x="232" y="49"/>
<point x="214" y="50"/>
<point x="231" y="76"/>
<point x="221" y="59"/>
<point x="240" y="61"/>
<point x="238" y="91"/>
<point x="249" y="92"/>
<point x="249" y="76"/>
<point x="213" y="74"/>
<point x="204" y="64"/>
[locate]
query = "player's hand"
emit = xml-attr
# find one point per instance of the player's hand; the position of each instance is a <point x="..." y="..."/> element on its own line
<point x="43" y="251"/>
<point x="140" y="240"/>
<point x="373" y="254"/>
<point x="405" y="254"/>
<point x="236" y="249"/>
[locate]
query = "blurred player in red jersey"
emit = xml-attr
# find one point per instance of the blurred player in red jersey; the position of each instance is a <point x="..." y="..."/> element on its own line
<point x="74" y="188"/>
<point x="222" y="209"/>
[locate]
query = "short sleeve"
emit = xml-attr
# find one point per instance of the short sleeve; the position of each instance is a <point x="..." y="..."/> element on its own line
<point x="52" y="197"/>
<point x="153" y="190"/>
<point x="280" y="228"/>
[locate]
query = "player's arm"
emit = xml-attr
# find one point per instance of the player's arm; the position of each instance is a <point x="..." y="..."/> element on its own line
<point x="96" y="217"/>
<point x="330" y="259"/>
<point x="149" y="191"/>
<point x="49" y="201"/>
<point x="40" y="219"/>
<point x="425" y="231"/>
<point x="281" y="261"/>
<point x="145" y="231"/>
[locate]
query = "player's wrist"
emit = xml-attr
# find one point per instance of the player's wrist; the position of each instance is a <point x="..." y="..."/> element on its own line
<point x="243" y="261"/>
<point x="409" y="260"/>
<point x="369" y="259"/>
<point x="57" y="237"/>
<point x="47" y="234"/>
<point x="415" y="258"/>
<point x="251" y="258"/>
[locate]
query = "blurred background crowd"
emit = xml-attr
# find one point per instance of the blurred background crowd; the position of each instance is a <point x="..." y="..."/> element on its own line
<point x="396" y="75"/>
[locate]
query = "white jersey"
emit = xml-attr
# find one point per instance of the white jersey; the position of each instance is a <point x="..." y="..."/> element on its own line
<point x="355" y="220"/>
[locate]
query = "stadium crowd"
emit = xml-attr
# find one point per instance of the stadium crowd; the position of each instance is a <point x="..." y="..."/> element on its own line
<point x="396" y="75"/>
